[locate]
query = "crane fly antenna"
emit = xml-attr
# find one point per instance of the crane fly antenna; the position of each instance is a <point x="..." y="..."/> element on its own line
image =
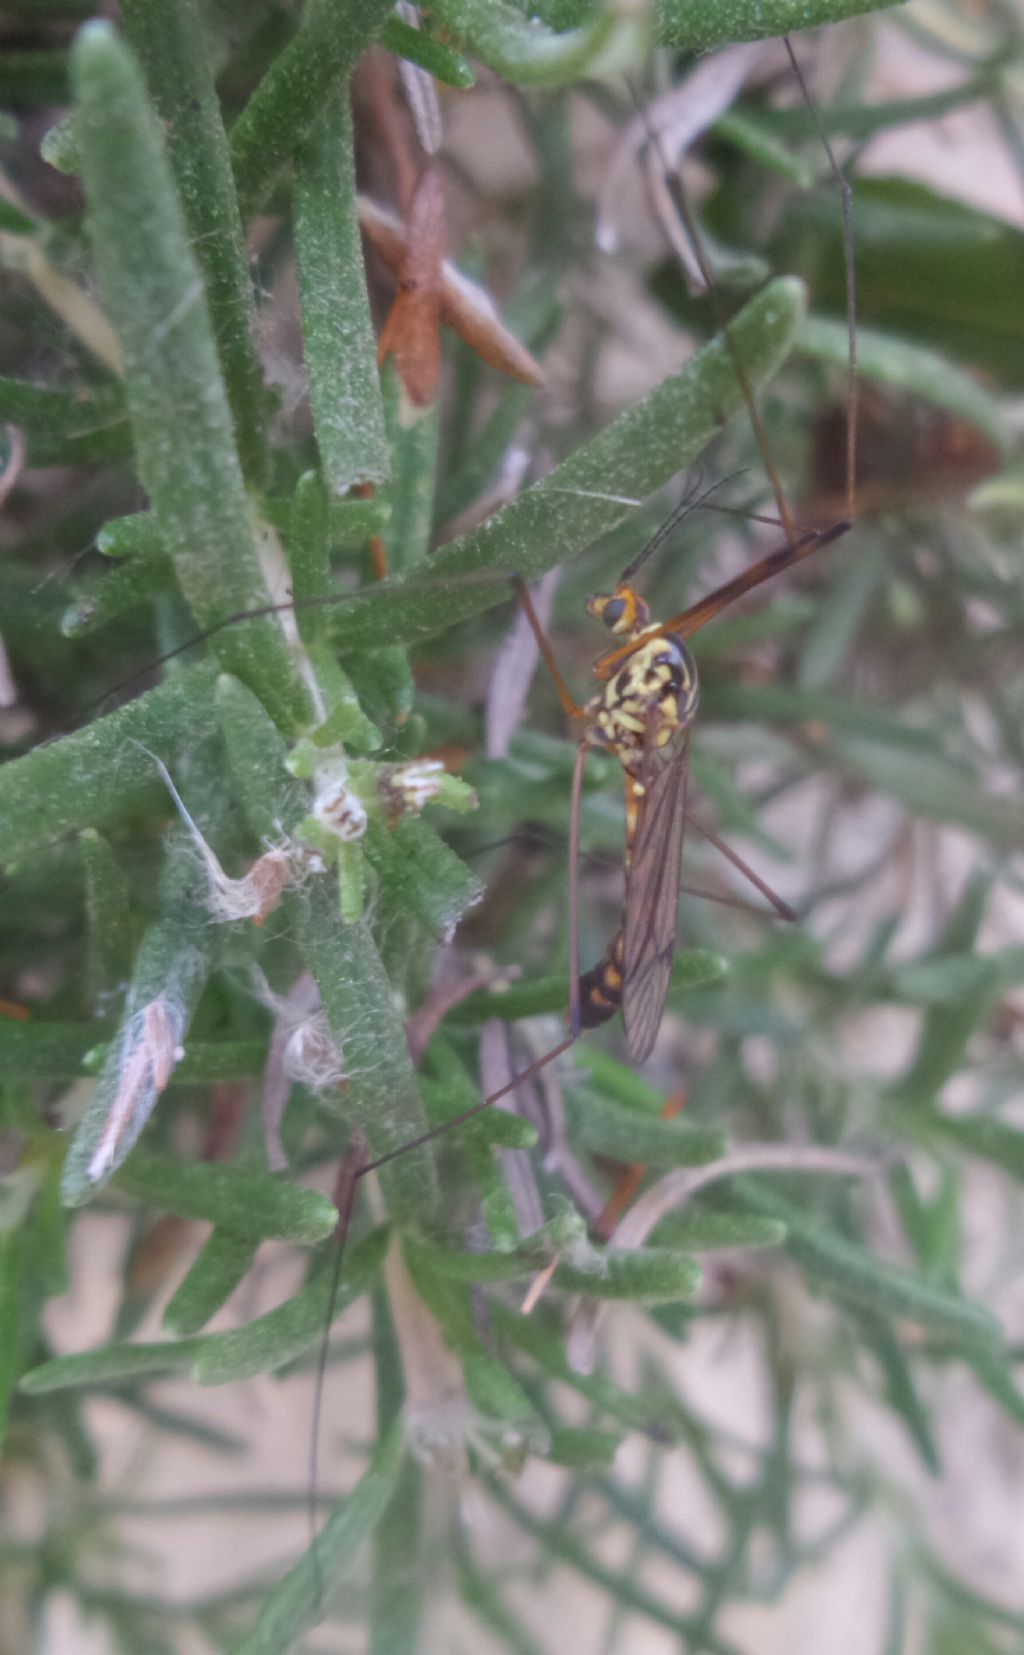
<point x="692" y="501"/>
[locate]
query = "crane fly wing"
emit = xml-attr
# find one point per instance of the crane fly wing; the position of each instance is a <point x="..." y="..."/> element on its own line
<point x="652" y="890"/>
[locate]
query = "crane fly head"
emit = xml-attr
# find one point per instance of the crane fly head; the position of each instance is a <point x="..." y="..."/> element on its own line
<point x="623" y="611"/>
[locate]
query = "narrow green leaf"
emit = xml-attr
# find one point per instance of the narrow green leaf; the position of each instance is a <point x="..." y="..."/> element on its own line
<point x="176" y="954"/>
<point x="250" y="1204"/>
<point x="184" y="437"/>
<point x="754" y="137"/>
<point x="447" y="1299"/>
<point x="34" y="77"/>
<point x="528" y="1334"/>
<point x="853" y="1272"/>
<point x="288" y="103"/>
<point x="933" y="787"/>
<point x="584" y="1449"/>
<point x="479" y="1593"/>
<point x="932" y="1219"/>
<point x="449" y="67"/>
<point x="984" y="1135"/>
<point x="647" y="1275"/>
<point x="949" y="1026"/>
<point x="59" y="147"/>
<point x="260" y="1346"/>
<point x="530" y="998"/>
<point x="273" y="801"/>
<point x="422" y="874"/>
<point x="110" y="1362"/>
<point x="619" y="1082"/>
<point x="400" y="1569"/>
<point x="131" y="585"/>
<point x="493" y="1390"/>
<point x="47" y="1238"/>
<point x="467" y="1266"/>
<point x="107" y="920"/>
<point x="993" y="1370"/>
<point x="608" y="1128"/>
<point x="863" y="120"/>
<point x="413" y="435"/>
<point x="67" y="427"/>
<point x="16" y="223"/>
<point x="399" y="1556"/>
<point x="522" y="50"/>
<point x="946" y="978"/>
<point x="309" y="555"/>
<point x="382" y="1094"/>
<point x="622" y="1587"/>
<point x="295" y="1604"/>
<point x="833" y="631"/>
<point x="901" y="1390"/>
<point x="208" y="1062"/>
<point x="338" y="338"/>
<point x="704" y="1229"/>
<point x="700" y="25"/>
<point x="695" y="968"/>
<point x="37" y="1050"/>
<point x="135" y="536"/>
<point x="582" y="498"/>
<point x="272" y="1340"/>
<point x="213" y="1276"/>
<point x="910" y="367"/>
<point x="353" y="521"/>
<point x="940" y="1050"/>
<point x="170" y="37"/>
<point x="12" y="1296"/>
<point x="448" y="1089"/>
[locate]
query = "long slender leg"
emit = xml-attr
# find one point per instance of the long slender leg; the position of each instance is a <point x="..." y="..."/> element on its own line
<point x="781" y="907"/>
<point x="574" y="858"/>
<point x="547" y="655"/>
<point x="474" y="1109"/>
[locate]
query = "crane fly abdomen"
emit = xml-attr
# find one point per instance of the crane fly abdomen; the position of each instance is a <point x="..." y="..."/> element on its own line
<point x="601" y="986"/>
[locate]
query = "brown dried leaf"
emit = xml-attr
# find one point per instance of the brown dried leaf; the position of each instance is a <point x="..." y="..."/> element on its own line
<point x="465" y="306"/>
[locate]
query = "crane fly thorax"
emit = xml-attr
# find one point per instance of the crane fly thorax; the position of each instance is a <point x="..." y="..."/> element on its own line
<point x="659" y="678"/>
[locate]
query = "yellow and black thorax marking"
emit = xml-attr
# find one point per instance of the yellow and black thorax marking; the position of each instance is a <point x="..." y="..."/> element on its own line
<point x="654" y="693"/>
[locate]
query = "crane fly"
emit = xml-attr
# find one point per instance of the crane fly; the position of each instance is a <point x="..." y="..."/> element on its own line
<point x="643" y="715"/>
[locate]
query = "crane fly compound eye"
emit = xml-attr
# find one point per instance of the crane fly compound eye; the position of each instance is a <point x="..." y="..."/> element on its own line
<point x="611" y="610"/>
